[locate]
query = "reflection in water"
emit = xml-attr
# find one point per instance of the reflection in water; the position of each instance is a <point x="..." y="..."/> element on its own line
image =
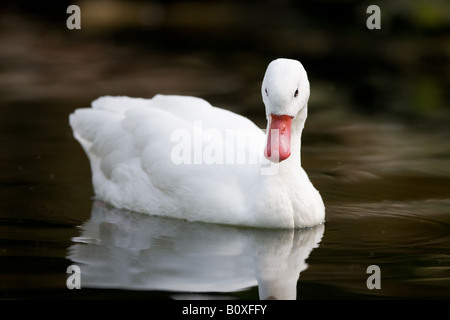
<point x="134" y="251"/>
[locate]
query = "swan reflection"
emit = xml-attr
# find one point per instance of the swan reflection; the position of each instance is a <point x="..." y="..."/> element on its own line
<point x="140" y="252"/>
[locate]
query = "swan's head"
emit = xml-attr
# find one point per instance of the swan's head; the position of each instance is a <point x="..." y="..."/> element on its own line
<point x="285" y="92"/>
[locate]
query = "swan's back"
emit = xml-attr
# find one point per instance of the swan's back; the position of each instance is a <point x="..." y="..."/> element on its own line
<point x="134" y="149"/>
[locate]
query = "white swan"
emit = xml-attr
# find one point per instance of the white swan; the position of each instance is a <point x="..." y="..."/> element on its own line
<point x="180" y="157"/>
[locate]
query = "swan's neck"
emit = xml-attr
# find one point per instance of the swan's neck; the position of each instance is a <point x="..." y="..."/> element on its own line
<point x="276" y="190"/>
<point x="296" y="141"/>
<point x="292" y="164"/>
<point x="281" y="175"/>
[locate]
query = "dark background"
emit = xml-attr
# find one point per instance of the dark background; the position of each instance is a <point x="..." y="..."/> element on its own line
<point x="401" y="70"/>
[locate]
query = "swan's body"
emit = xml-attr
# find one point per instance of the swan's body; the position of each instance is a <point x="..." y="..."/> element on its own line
<point x="181" y="157"/>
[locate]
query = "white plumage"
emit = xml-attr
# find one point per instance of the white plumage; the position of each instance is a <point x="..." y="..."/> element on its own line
<point x="180" y="157"/>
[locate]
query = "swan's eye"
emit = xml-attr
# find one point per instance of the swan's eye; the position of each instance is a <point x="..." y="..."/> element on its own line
<point x="295" y="93"/>
<point x="267" y="93"/>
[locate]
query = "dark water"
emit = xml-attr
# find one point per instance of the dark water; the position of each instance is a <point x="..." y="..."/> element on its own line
<point x="384" y="176"/>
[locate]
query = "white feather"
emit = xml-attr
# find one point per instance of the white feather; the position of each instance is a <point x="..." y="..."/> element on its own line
<point x="131" y="144"/>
